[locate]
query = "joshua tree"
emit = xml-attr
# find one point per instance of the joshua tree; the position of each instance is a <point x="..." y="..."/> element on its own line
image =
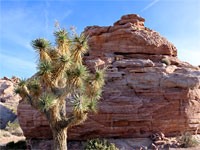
<point x="62" y="77"/>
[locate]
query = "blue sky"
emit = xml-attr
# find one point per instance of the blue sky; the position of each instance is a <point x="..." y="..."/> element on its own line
<point x="24" y="20"/>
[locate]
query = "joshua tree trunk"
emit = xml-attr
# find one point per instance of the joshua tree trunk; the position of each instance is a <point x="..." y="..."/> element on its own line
<point x="60" y="139"/>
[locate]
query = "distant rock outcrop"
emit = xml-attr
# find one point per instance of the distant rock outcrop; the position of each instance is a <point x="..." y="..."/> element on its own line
<point x="8" y="98"/>
<point x="7" y="87"/>
<point x="6" y="115"/>
<point x="142" y="95"/>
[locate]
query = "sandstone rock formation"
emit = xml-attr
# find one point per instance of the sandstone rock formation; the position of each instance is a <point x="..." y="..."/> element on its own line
<point x="6" y="115"/>
<point x="142" y="96"/>
<point x="7" y="87"/>
<point x="8" y="100"/>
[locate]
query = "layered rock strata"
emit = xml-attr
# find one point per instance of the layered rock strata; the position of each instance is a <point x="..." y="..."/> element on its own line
<point x="142" y="96"/>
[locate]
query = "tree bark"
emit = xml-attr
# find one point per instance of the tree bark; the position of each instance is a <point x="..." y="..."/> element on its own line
<point x="60" y="139"/>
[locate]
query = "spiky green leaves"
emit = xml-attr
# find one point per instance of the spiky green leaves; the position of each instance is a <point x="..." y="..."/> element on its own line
<point x="91" y="86"/>
<point x="80" y="71"/>
<point x="23" y="91"/>
<point x="65" y="59"/>
<point x="61" y="74"/>
<point x="61" y="36"/>
<point x="19" y="89"/>
<point x="45" y="72"/>
<point x="46" y="101"/>
<point x="80" y="43"/>
<point x="97" y="93"/>
<point x="77" y="75"/>
<point x="79" y="103"/>
<point x="93" y="105"/>
<point x="79" y="47"/>
<point x="35" y="87"/>
<point x="40" y="44"/>
<point x="62" y="41"/>
<point x="94" y="84"/>
<point x="99" y="76"/>
<point x="45" y="67"/>
<point x="23" y="82"/>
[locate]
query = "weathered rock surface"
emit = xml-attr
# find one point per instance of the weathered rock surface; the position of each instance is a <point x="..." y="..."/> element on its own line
<point x="6" y="115"/>
<point x="8" y="100"/>
<point x="128" y="35"/>
<point x="7" y="87"/>
<point x="142" y="96"/>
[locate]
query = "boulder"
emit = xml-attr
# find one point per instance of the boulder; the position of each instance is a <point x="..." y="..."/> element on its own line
<point x="8" y="100"/>
<point x="6" y="115"/>
<point x="7" y="87"/>
<point x="142" y="96"/>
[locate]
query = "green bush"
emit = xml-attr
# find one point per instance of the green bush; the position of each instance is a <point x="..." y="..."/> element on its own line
<point x="11" y="126"/>
<point x="97" y="144"/>
<point x="187" y="140"/>
<point x="14" y="110"/>
<point x="14" y="128"/>
<point x="166" y="61"/>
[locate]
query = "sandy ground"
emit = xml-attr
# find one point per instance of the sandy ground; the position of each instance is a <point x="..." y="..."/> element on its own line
<point x="6" y="137"/>
<point x="194" y="148"/>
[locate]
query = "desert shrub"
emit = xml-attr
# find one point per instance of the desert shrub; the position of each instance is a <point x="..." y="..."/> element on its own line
<point x="117" y="58"/>
<point x="14" y="110"/>
<point x="187" y="140"/>
<point x="12" y="126"/>
<point x="18" y="145"/>
<point x="98" y="144"/>
<point x="166" y="61"/>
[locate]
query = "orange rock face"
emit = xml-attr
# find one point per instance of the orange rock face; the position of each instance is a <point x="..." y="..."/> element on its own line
<point x="142" y="96"/>
<point x="128" y="35"/>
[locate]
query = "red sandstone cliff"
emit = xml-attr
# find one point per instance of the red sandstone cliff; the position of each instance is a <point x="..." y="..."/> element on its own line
<point x="142" y="95"/>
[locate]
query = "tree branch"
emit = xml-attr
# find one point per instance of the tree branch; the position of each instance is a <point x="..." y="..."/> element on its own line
<point x="66" y="121"/>
<point x="72" y="120"/>
<point x="29" y="99"/>
<point x="47" y="113"/>
<point x="62" y="108"/>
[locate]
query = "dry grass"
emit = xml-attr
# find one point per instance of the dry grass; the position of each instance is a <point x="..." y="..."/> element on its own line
<point x="166" y="61"/>
<point x="188" y="140"/>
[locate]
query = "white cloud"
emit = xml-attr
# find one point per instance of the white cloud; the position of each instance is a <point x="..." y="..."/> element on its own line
<point x="16" y="63"/>
<point x="18" y="39"/>
<point x="12" y="22"/>
<point x="66" y="15"/>
<point x="150" y="5"/>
